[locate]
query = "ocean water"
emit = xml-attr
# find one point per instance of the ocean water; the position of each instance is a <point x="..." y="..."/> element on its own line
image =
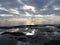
<point x="40" y="36"/>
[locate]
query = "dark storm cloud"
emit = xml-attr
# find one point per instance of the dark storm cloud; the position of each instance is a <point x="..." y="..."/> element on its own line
<point x="57" y="2"/>
<point x="37" y="3"/>
<point x="45" y="4"/>
<point x="50" y="9"/>
<point x="10" y="4"/>
<point x="43" y="7"/>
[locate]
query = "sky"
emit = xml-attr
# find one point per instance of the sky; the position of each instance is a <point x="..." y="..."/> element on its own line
<point x="29" y="7"/>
